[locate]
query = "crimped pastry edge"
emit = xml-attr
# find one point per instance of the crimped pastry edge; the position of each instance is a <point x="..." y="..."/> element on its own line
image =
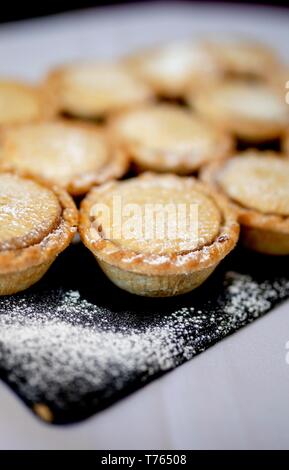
<point x="136" y="152"/>
<point x="246" y="128"/>
<point x="12" y="261"/>
<point x="114" y="168"/>
<point x="246" y="216"/>
<point x="154" y="265"/>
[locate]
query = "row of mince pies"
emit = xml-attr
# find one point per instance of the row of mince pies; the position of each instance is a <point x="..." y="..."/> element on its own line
<point x="173" y="110"/>
<point x="38" y="220"/>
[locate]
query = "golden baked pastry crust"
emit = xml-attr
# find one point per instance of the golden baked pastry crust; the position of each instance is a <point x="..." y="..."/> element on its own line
<point x="22" y="267"/>
<point x="21" y="102"/>
<point x="285" y="142"/>
<point x="252" y="111"/>
<point x="264" y="232"/>
<point x="72" y="155"/>
<point x="150" y="273"/>
<point x="280" y="80"/>
<point x="168" y="138"/>
<point x="28" y="212"/>
<point x="93" y="90"/>
<point x="170" y="69"/>
<point x="243" y="58"/>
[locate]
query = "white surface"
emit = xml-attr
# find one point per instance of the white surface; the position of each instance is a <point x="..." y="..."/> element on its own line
<point x="235" y="395"/>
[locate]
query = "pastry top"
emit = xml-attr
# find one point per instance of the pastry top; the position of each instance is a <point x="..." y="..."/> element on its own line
<point x="96" y="89"/>
<point x="165" y="223"/>
<point x="259" y="183"/>
<point x="28" y="212"/>
<point x="71" y="155"/>
<point x="166" y="137"/>
<point x="249" y="108"/>
<point x="144" y="193"/>
<point x="242" y="57"/>
<point x="256" y="183"/>
<point x="37" y="221"/>
<point x="171" y="68"/>
<point x="21" y="102"/>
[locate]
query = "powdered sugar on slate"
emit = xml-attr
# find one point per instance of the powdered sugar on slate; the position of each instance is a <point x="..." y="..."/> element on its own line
<point x="73" y="355"/>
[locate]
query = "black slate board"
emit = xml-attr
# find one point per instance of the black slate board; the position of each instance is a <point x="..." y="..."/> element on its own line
<point x="74" y="343"/>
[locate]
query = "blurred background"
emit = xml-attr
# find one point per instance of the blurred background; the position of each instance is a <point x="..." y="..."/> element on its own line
<point x="29" y="9"/>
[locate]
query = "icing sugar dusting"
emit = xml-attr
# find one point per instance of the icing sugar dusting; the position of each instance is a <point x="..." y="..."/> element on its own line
<point x="28" y="211"/>
<point x="71" y="353"/>
<point x="257" y="182"/>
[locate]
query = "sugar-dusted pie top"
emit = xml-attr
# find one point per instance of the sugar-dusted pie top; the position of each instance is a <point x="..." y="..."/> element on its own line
<point x="170" y="136"/>
<point x="171" y="68"/>
<point x="245" y="100"/>
<point x="18" y="103"/>
<point x="57" y="151"/>
<point x="93" y="89"/>
<point x="242" y="57"/>
<point x="184" y="219"/>
<point x="28" y="212"/>
<point x="256" y="182"/>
